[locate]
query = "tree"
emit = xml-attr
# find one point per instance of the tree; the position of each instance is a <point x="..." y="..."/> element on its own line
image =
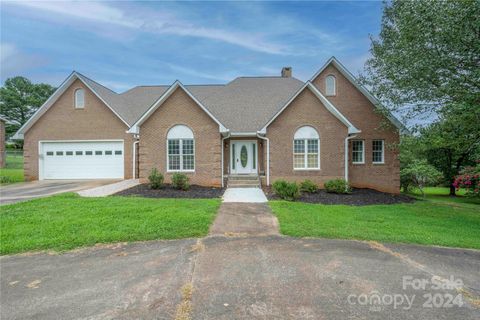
<point x="419" y="174"/>
<point x="427" y="56"/>
<point x="19" y="99"/>
<point x="453" y="141"/>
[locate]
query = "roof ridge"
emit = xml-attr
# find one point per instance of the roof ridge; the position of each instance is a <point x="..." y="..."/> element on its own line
<point x="101" y="85"/>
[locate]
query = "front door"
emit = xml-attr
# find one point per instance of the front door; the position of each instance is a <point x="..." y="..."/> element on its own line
<point x="244" y="157"/>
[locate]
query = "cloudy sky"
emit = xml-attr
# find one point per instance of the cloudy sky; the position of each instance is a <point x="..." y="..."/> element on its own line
<point x="122" y="44"/>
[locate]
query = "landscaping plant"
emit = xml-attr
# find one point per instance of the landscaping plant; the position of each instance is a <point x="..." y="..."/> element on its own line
<point x="180" y="181"/>
<point x="156" y="179"/>
<point x="419" y="175"/>
<point x="286" y="190"/>
<point x="308" y="186"/>
<point x="469" y="179"/>
<point x="337" y="186"/>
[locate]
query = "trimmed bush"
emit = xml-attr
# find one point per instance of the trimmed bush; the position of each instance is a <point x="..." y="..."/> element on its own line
<point x="337" y="186"/>
<point x="156" y="179"/>
<point x="180" y="181"/>
<point x="286" y="190"/>
<point x="308" y="186"/>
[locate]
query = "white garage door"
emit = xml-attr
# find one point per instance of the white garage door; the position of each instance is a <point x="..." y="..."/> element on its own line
<point x="82" y="160"/>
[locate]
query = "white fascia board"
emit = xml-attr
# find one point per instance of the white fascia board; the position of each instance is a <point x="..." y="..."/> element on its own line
<point x="347" y="74"/>
<point x="80" y="77"/>
<point x="19" y="135"/>
<point x="329" y="106"/>
<point x="177" y="84"/>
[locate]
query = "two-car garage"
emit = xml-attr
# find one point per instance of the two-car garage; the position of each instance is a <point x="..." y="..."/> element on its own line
<point x="82" y="159"/>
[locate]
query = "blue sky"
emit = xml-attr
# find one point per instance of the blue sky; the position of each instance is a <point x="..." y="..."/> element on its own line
<point x="123" y="44"/>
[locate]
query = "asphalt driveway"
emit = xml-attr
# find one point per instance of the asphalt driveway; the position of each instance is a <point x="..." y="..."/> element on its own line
<point x="272" y="277"/>
<point x="37" y="189"/>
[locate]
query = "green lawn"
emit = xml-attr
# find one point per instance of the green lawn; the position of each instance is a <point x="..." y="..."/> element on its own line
<point x="429" y="222"/>
<point x="442" y="194"/>
<point x="67" y="221"/>
<point x="13" y="171"/>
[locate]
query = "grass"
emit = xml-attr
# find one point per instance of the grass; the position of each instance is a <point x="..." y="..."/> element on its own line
<point x="68" y="221"/>
<point x="442" y="194"/>
<point x="428" y="222"/>
<point x="13" y="171"/>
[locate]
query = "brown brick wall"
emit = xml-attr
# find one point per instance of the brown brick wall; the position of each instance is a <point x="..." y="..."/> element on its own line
<point x="305" y="110"/>
<point x="361" y="112"/>
<point x="63" y="122"/>
<point x="179" y="108"/>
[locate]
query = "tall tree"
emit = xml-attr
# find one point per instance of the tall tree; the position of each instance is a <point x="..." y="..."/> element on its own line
<point x="20" y="98"/>
<point x="427" y="56"/>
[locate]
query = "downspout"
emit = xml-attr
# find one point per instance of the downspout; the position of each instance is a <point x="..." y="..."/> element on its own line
<point x="223" y="140"/>
<point x="268" y="157"/>
<point x="135" y="156"/>
<point x="346" y="155"/>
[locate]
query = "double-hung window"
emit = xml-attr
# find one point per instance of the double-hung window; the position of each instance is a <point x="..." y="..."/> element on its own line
<point x="358" y="152"/>
<point x="378" y="151"/>
<point x="306" y="149"/>
<point x="180" y="149"/>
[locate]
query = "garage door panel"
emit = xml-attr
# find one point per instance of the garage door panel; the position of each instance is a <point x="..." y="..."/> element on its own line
<point x="83" y="160"/>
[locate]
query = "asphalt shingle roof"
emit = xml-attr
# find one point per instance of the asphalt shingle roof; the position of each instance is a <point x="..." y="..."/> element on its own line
<point x="245" y="104"/>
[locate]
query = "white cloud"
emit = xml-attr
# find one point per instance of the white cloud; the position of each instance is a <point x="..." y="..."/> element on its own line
<point x="164" y="23"/>
<point x="199" y="74"/>
<point x="13" y="61"/>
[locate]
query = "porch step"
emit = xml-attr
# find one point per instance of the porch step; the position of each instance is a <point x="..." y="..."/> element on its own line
<point x="243" y="181"/>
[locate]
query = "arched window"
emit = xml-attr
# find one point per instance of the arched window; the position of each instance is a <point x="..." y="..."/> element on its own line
<point x="180" y="149"/>
<point x="79" y="99"/>
<point x="306" y="149"/>
<point x="330" y="85"/>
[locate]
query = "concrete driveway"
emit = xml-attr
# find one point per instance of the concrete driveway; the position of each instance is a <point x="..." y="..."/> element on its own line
<point x="271" y="277"/>
<point x="37" y="189"/>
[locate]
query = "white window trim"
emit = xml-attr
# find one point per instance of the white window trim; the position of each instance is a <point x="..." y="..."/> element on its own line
<point x="363" y="152"/>
<point x="181" y="156"/>
<point x="383" y="152"/>
<point x="334" y="85"/>
<point x="75" y="98"/>
<point x="305" y="157"/>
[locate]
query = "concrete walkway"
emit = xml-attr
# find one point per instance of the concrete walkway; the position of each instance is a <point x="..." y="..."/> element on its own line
<point x="252" y="195"/>
<point x="245" y="219"/>
<point x="109" y="189"/>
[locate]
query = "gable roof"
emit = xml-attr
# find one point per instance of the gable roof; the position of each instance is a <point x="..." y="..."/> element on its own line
<point x="347" y="74"/>
<point x="328" y="105"/>
<point x="176" y="85"/>
<point x="103" y="93"/>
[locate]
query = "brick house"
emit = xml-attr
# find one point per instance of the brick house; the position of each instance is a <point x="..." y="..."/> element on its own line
<point x="271" y="127"/>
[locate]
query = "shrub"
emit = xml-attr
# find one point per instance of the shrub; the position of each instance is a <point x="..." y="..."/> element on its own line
<point x="308" y="186"/>
<point x="180" y="181"/>
<point x="337" y="186"/>
<point x="469" y="179"/>
<point x="156" y="179"/>
<point x="286" y="190"/>
<point x="419" y="174"/>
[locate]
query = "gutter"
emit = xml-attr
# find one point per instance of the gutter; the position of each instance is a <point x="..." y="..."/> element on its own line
<point x="134" y="157"/>
<point x="268" y="156"/>
<point x="223" y="140"/>
<point x="349" y="136"/>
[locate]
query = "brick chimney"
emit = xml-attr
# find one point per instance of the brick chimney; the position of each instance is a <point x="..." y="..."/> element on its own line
<point x="286" y="72"/>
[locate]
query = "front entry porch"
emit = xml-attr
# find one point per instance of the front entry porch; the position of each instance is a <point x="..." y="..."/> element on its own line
<point x="243" y="157"/>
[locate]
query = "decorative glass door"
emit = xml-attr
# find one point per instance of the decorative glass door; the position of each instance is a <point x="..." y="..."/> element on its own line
<point x="243" y="157"/>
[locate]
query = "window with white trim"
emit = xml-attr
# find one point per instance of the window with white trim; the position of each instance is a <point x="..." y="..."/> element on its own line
<point x="330" y="85"/>
<point x="378" y="151"/>
<point x="180" y="149"/>
<point x="358" y="151"/>
<point x="306" y="149"/>
<point x="79" y="99"/>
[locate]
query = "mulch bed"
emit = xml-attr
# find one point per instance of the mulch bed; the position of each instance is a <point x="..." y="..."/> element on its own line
<point x="358" y="197"/>
<point x="195" y="192"/>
